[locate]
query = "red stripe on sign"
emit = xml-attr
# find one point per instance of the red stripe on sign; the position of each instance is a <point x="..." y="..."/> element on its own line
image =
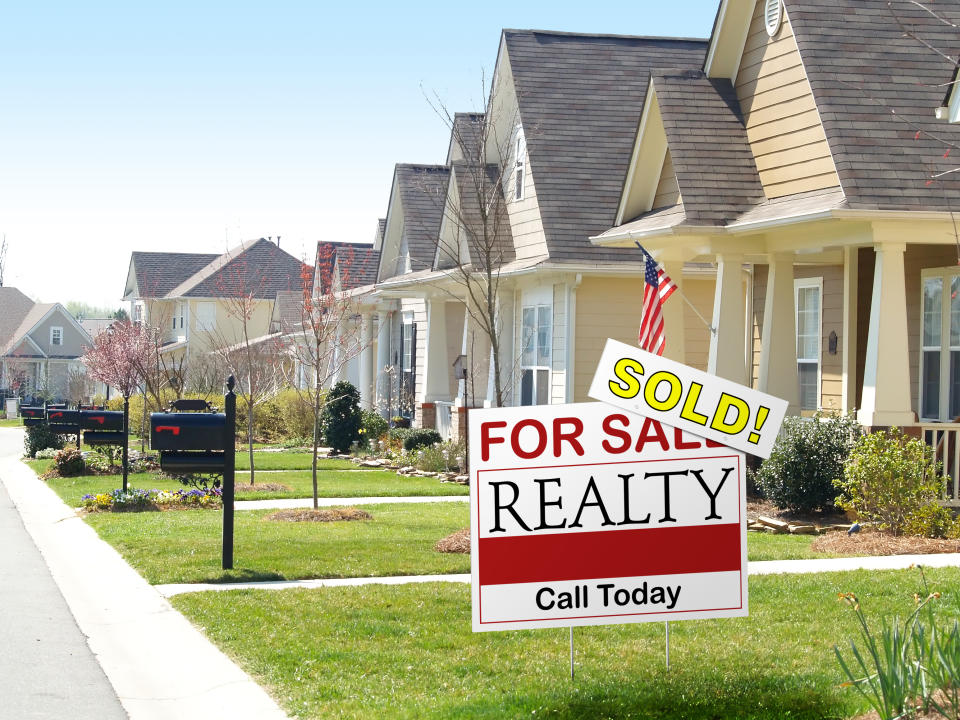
<point x="615" y="553"/>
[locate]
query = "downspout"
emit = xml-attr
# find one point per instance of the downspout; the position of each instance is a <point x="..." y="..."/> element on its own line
<point x="571" y="334"/>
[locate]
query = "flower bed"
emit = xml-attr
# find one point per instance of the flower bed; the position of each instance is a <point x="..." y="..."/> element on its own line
<point x="138" y="500"/>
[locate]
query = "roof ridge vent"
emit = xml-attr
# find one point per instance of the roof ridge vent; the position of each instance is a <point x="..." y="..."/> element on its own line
<point x="773" y="16"/>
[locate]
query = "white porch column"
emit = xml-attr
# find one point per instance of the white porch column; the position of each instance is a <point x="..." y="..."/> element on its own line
<point x="674" y="343"/>
<point x="367" y="376"/>
<point x="437" y="369"/>
<point x="476" y="346"/>
<point x="380" y="378"/>
<point x="886" y="373"/>
<point x="848" y="393"/>
<point x="727" y="352"/>
<point x="778" y="344"/>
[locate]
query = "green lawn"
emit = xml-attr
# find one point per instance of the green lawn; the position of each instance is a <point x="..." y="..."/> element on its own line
<point x="184" y="546"/>
<point x="408" y="652"/>
<point x="12" y="422"/>
<point x="286" y="460"/>
<point x="330" y="483"/>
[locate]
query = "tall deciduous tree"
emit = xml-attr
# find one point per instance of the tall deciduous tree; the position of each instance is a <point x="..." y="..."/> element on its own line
<point x="119" y="356"/>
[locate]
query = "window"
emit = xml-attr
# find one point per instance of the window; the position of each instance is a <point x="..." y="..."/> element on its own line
<point x="206" y="315"/>
<point x="408" y="366"/>
<point x="807" y="294"/>
<point x="520" y="165"/>
<point x="940" y="360"/>
<point x="536" y="346"/>
<point x="772" y="15"/>
<point x="56" y="336"/>
<point x="138" y="312"/>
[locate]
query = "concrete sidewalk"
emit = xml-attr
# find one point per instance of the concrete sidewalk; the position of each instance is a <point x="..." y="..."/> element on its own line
<point x="160" y="666"/>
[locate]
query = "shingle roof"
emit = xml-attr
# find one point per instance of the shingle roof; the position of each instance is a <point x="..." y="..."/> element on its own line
<point x="423" y="190"/>
<point x="466" y="136"/>
<point x="580" y="99"/>
<point x="326" y="259"/>
<point x="287" y="311"/>
<point x="470" y="185"/>
<point x="14" y="307"/>
<point x="875" y="88"/>
<point x="381" y="229"/>
<point x="27" y="323"/>
<point x="262" y="269"/>
<point x="158" y="273"/>
<point x="714" y="165"/>
<point x="357" y="266"/>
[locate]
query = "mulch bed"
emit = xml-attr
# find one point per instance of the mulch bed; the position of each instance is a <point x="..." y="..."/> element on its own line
<point x="261" y="487"/>
<point x="324" y="515"/>
<point x="459" y="542"/>
<point x="757" y="507"/>
<point x="873" y="542"/>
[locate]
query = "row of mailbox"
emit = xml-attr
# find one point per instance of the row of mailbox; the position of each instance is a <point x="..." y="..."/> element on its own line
<point x="70" y="422"/>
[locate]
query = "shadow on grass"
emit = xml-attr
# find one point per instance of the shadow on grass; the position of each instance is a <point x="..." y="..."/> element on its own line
<point x="701" y="693"/>
<point x="242" y="575"/>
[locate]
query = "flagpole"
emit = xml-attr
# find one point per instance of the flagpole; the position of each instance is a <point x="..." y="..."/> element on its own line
<point x="693" y="307"/>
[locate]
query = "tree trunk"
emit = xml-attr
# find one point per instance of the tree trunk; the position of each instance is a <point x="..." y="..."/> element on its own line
<point x="126" y="438"/>
<point x="316" y="444"/>
<point x="250" y="436"/>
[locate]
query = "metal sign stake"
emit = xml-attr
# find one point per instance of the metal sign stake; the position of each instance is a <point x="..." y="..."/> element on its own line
<point x="571" y="652"/>
<point x="667" y="625"/>
<point x="229" y="463"/>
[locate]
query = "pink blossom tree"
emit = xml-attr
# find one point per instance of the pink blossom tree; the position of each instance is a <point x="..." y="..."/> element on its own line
<point x="119" y="357"/>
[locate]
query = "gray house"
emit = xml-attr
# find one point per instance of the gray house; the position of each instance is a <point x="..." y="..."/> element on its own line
<point x="40" y="346"/>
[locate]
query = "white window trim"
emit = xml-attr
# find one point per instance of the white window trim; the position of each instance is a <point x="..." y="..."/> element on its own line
<point x="519" y="164"/>
<point x="815" y="282"/>
<point x="535" y="304"/>
<point x="946" y="275"/>
<point x="52" y="330"/>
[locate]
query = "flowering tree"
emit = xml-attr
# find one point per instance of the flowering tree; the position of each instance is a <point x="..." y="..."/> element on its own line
<point x="119" y="358"/>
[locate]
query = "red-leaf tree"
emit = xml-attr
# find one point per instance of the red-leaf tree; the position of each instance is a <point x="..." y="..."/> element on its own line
<point x="119" y="357"/>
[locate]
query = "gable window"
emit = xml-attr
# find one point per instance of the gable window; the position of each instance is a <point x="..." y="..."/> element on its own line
<point x="807" y="298"/>
<point x="940" y="344"/>
<point x="537" y="341"/>
<point x="519" y="164"/>
<point x="56" y="336"/>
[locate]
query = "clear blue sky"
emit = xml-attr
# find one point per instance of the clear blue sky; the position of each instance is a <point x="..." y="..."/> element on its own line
<point x="186" y="126"/>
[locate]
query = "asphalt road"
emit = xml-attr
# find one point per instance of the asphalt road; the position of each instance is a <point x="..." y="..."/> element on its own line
<point x="46" y="667"/>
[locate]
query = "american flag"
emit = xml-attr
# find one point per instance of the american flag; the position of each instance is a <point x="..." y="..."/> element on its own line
<point x="657" y="288"/>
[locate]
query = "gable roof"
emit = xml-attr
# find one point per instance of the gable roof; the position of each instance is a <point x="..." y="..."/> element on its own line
<point x="157" y="273"/>
<point x="875" y="88"/>
<point x="326" y="260"/>
<point x="466" y="135"/>
<point x="36" y="315"/>
<point x="715" y="168"/>
<point x="423" y="189"/>
<point x="469" y="181"/>
<point x="14" y="307"/>
<point x="580" y="98"/>
<point x="357" y="266"/>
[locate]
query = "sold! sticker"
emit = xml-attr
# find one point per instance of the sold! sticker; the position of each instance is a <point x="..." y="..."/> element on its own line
<point x="681" y="396"/>
<point x="585" y="515"/>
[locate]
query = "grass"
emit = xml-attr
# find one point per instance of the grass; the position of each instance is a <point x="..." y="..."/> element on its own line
<point x="184" y="546"/>
<point x="168" y="547"/>
<point x="11" y="422"/>
<point x="408" y="652"/>
<point x="330" y="483"/>
<point x="286" y="460"/>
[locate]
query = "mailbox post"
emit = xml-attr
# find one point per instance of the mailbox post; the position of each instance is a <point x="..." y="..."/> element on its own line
<point x="229" y="468"/>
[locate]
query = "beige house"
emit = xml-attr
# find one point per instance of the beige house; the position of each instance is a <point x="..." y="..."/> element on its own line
<point x="198" y="301"/>
<point x="812" y="167"/>
<point x="40" y="347"/>
<point x="558" y="150"/>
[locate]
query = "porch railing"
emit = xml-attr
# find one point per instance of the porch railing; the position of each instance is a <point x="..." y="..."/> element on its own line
<point x="444" y="426"/>
<point x="944" y="438"/>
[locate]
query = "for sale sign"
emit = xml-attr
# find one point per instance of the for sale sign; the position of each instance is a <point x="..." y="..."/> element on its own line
<point x="583" y="514"/>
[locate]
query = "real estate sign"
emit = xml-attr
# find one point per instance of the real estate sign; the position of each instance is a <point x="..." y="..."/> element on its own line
<point x="687" y="398"/>
<point x="583" y="514"/>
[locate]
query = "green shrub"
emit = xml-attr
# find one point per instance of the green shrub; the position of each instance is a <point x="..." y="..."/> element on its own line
<point x="421" y="437"/>
<point x="441" y="457"/>
<point x="807" y="457"/>
<point x="895" y="482"/>
<point x="372" y="425"/>
<point x="69" y="462"/>
<point x="397" y="436"/>
<point x="401" y="422"/>
<point x="340" y="417"/>
<point x="296" y="413"/>
<point x="41" y="437"/>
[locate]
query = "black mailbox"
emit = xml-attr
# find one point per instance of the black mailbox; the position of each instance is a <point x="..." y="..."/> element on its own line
<point x="101" y="420"/>
<point x="188" y="431"/>
<point x="33" y="415"/>
<point x="191" y="462"/>
<point x="97" y="437"/>
<point x="65" y="422"/>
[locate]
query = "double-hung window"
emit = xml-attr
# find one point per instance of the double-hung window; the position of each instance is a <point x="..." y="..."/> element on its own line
<point x="56" y="336"/>
<point x="537" y="341"/>
<point x="940" y="344"/>
<point x="807" y="294"/>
